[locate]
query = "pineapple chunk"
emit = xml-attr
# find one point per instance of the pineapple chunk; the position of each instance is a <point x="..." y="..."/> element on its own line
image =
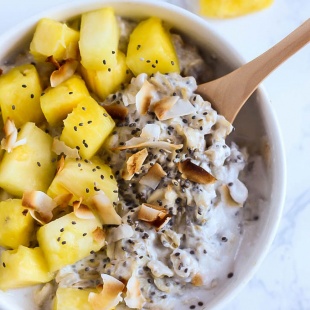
<point x="57" y="102"/>
<point x="72" y="299"/>
<point x="16" y="224"/>
<point x="30" y="166"/>
<point x="52" y="38"/>
<point x="68" y="239"/>
<point x="20" y="91"/>
<point x="99" y="39"/>
<point x="231" y="8"/>
<point x="23" y="267"/>
<point x="107" y="81"/>
<point x="151" y="50"/>
<point x="87" y="127"/>
<point x="83" y="179"/>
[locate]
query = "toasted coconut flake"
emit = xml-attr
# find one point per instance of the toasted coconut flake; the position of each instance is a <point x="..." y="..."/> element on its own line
<point x="99" y="235"/>
<point x="60" y="164"/>
<point x="226" y="197"/>
<point x="40" y="205"/>
<point x="182" y="107"/>
<point x="59" y="147"/>
<point x="134" y="298"/>
<point x="82" y="211"/>
<point x="9" y="142"/>
<point x="238" y="191"/>
<point x="153" y="176"/>
<point x="144" y="97"/>
<point x="103" y="207"/>
<point x="195" y="173"/>
<point x="197" y="280"/>
<point x="53" y="61"/>
<point x="120" y="232"/>
<point x="64" y="72"/>
<point x="116" y="111"/>
<point x="134" y="164"/>
<point x="154" y="215"/>
<point x="110" y="295"/>
<point x="164" y="105"/>
<point x="63" y="200"/>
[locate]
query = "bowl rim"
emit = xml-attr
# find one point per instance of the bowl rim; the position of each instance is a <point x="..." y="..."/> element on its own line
<point x="67" y="10"/>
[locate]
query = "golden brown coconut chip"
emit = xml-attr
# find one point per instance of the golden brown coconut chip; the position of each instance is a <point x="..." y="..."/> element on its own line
<point x="63" y="200"/>
<point x="197" y="280"/>
<point x="59" y="147"/>
<point x="144" y="97"/>
<point x="110" y="295"/>
<point x="134" y="298"/>
<point x="153" y="176"/>
<point x="164" y="105"/>
<point x="103" y="207"/>
<point x="99" y="235"/>
<point x="231" y="198"/>
<point x="9" y="142"/>
<point x="195" y="173"/>
<point x="82" y="211"/>
<point x="40" y="206"/>
<point x="53" y="61"/>
<point x="134" y="164"/>
<point x="154" y="215"/>
<point x="65" y="71"/>
<point x="116" y="111"/>
<point x="60" y="164"/>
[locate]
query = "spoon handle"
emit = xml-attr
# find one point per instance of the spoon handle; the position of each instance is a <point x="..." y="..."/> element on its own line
<point x="229" y="93"/>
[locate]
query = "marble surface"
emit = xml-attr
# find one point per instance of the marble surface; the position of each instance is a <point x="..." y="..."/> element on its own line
<point x="283" y="280"/>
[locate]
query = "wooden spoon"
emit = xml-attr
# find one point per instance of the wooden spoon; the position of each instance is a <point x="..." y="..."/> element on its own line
<point x="229" y="93"/>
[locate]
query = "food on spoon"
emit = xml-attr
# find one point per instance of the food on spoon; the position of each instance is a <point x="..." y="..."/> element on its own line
<point x="30" y="166"/>
<point x="23" y="267"/>
<point x="16" y="224"/>
<point x="231" y="8"/>
<point x="87" y="127"/>
<point x="57" y="102"/>
<point x="109" y="80"/>
<point x="20" y="91"/>
<point x="151" y="50"/>
<point x="68" y="239"/>
<point x="62" y="42"/>
<point x="99" y="38"/>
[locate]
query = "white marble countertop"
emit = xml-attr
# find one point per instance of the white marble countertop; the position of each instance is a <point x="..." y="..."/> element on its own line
<point x="283" y="280"/>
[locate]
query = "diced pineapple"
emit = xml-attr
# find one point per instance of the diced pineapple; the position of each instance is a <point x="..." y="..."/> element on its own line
<point x="231" y="8"/>
<point x="20" y="91"/>
<point x="57" y="102"/>
<point x="30" y="166"/>
<point x="23" y="267"/>
<point x="84" y="179"/>
<point x="99" y="39"/>
<point x="68" y="239"/>
<point x="87" y="127"/>
<point x="16" y="224"/>
<point x="72" y="299"/>
<point x="53" y="38"/>
<point x="109" y="80"/>
<point x="151" y="50"/>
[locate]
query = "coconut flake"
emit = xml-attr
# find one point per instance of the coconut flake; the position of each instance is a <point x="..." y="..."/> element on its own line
<point x="59" y="147"/>
<point x="195" y="173"/>
<point x="116" y="111"/>
<point x="9" y="142"/>
<point x="134" y="298"/>
<point x="63" y="200"/>
<point x="120" y="232"/>
<point x="40" y="205"/>
<point x="144" y="97"/>
<point x="150" y="131"/>
<point x="82" y="211"/>
<point x="153" y="177"/>
<point x="99" y="235"/>
<point x="182" y="107"/>
<point x="134" y="164"/>
<point x="64" y="72"/>
<point x="164" y="105"/>
<point x="109" y="297"/>
<point x="159" y="269"/>
<point x="238" y="191"/>
<point x="103" y="207"/>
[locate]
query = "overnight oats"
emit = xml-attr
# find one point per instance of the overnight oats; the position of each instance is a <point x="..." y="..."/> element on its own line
<point x="118" y="189"/>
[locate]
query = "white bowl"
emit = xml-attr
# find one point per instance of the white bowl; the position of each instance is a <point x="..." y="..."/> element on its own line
<point x="256" y="125"/>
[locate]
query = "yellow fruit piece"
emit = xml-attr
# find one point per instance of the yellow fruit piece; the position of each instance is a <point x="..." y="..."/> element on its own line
<point x="30" y="166"/>
<point x="83" y="179"/>
<point x="151" y="50"/>
<point x="20" y="92"/>
<point x="57" y="102"/>
<point x="16" y="225"/>
<point x="52" y="38"/>
<point x="86" y="127"/>
<point x="23" y="267"/>
<point x="99" y="39"/>
<point x="72" y="299"/>
<point x="68" y="239"/>
<point x="109" y="80"/>
<point x="231" y="8"/>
